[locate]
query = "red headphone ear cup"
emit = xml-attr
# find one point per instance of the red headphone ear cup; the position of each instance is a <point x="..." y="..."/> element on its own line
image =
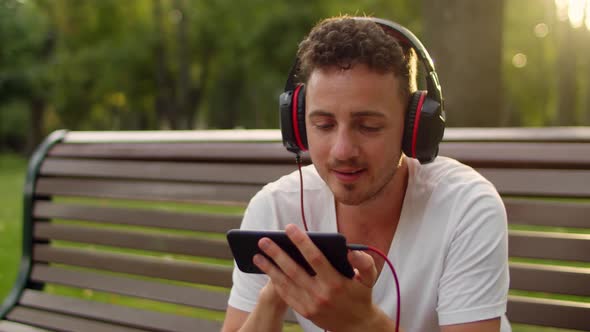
<point x="300" y="119"/>
<point x="411" y="113"/>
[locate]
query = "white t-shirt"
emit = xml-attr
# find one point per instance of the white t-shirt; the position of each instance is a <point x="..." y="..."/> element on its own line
<point x="450" y="249"/>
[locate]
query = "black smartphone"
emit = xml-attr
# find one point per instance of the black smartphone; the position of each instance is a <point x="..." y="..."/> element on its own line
<point x="244" y="245"/>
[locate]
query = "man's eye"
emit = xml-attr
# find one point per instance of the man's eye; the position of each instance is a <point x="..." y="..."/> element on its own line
<point x="323" y="126"/>
<point x="371" y="129"/>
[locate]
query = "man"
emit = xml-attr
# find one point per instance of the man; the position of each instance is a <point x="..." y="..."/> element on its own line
<point x="441" y="224"/>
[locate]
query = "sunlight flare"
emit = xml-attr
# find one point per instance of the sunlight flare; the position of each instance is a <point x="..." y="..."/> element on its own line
<point x="561" y="9"/>
<point x="576" y="11"/>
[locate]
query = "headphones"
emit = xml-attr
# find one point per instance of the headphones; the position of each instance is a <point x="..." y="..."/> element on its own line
<point x="425" y="117"/>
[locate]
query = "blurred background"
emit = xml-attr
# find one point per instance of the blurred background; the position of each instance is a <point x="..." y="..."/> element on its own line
<point x="221" y="64"/>
<point x="181" y="64"/>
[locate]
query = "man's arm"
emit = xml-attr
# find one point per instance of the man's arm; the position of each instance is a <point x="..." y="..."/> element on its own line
<point x="234" y="319"/>
<point x="266" y="317"/>
<point x="490" y="325"/>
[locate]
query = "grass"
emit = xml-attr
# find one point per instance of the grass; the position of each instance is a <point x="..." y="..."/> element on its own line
<point x="12" y="173"/>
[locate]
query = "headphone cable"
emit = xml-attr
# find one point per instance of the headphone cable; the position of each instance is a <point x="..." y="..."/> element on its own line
<point x="361" y="247"/>
<point x="298" y="160"/>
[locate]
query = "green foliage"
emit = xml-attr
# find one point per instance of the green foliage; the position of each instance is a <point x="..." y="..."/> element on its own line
<point x="109" y="64"/>
<point x="533" y="90"/>
<point x="14" y="122"/>
<point x="102" y="65"/>
<point x="531" y="96"/>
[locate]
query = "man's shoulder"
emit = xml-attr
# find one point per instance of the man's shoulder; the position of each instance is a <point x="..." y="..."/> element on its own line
<point x="449" y="175"/>
<point x="448" y="170"/>
<point x="291" y="183"/>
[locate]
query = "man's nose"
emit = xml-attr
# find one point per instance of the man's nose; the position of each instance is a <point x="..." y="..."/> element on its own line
<point x="344" y="145"/>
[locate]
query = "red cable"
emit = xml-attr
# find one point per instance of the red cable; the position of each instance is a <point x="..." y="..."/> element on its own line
<point x="380" y="253"/>
<point x="354" y="246"/>
<point x="298" y="159"/>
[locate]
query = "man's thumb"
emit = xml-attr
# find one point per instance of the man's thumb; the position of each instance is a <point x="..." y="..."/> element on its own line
<point x="364" y="266"/>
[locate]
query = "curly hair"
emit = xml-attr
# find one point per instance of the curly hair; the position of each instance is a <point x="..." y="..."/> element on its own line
<point x="344" y="42"/>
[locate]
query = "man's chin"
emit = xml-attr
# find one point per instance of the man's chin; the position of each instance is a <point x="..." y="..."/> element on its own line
<point x="348" y="197"/>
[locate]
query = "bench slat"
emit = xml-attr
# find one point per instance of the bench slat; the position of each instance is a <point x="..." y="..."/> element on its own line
<point x="168" y="243"/>
<point x="63" y="322"/>
<point x="509" y="182"/>
<point x="547" y="213"/>
<point x="539" y="182"/>
<point x="199" y="273"/>
<point x="527" y="155"/>
<point x="557" y="313"/>
<point x="226" y="152"/>
<point x="259" y="174"/>
<point x="146" y="190"/>
<point x="8" y="326"/>
<point x="550" y="279"/>
<point x="549" y="245"/>
<point x="202" y="222"/>
<point x="117" y="314"/>
<point x="482" y="154"/>
<point x="153" y="290"/>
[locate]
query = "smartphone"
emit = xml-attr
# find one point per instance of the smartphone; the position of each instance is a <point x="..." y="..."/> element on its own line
<point x="244" y="245"/>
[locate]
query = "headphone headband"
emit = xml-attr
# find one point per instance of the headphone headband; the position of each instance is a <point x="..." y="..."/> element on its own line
<point x="403" y="35"/>
<point x="407" y="37"/>
<point x="425" y="116"/>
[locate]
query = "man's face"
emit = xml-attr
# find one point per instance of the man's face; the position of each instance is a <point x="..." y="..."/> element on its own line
<point x="354" y="122"/>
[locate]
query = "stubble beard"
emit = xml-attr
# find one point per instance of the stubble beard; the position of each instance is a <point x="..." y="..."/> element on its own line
<point x="370" y="195"/>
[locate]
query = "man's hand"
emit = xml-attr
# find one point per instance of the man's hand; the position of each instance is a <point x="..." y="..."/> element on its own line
<point x="329" y="299"/>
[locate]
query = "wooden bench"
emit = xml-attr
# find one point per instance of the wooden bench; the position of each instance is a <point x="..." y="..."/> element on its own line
<point x="124" y="231"/>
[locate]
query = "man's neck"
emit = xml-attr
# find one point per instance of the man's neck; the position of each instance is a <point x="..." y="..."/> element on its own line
<point x="375" y="222"/>
<point x="379" y="212"/>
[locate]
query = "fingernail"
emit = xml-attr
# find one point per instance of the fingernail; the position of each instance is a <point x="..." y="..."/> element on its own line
<point x="257" y="259"/>
<point x="290" y="229"/>
<point x="263" y="243"/>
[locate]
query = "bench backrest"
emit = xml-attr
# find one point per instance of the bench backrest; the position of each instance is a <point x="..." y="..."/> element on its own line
<point x="126" y="230"/>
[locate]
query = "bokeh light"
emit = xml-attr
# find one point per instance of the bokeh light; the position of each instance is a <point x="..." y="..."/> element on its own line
<point x="541" y="30"/>
<point x="519" y="60"/>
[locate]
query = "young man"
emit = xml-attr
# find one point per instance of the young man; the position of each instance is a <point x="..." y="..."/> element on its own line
<point x="441" y="224"/>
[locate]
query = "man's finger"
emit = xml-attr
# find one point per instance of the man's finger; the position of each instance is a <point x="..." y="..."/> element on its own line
<point x="285" y="263"/>
<point x="316" y="259"/>
<point x="282" y="284"/>
<point x="364" y="265"/>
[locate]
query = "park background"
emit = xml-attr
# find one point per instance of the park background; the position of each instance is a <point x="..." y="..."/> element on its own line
<point x="184" y="65"/>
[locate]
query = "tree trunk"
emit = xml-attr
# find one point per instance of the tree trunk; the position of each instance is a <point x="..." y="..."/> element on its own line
<point x="566" y="76"/>
<point x="464" y="37"/>
<point x="165" y="103"/>
<point x="38" y="99"/>
<point x="184" y="82"/>
<point x="37" y="106"/>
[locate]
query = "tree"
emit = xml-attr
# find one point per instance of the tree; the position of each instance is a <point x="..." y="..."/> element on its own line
<point x="25" y="62"/>
<point x="465" y="39"/>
